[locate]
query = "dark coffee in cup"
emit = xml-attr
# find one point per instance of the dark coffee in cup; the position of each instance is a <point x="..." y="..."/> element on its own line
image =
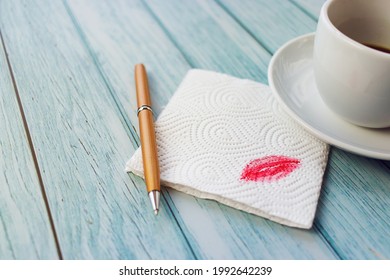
<point x="378" y="48"/>
<point x="370" y="32"/>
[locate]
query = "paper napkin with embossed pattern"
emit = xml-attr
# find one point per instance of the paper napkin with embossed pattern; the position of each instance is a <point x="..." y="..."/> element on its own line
<point x="227" y="139"/>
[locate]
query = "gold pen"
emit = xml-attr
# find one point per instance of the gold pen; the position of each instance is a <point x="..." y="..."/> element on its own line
<point x="148" y="137"/>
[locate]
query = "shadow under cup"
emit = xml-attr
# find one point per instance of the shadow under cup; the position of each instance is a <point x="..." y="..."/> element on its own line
<point x="352" y="60"/>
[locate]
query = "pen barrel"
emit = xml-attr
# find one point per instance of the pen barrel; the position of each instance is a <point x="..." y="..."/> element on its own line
<point x="142" y="86"/>
<point x="149" y="151"/>
<point x="147" y="132"/>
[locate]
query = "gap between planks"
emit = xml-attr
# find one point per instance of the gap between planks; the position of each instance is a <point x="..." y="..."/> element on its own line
<point x="32" y="149"/>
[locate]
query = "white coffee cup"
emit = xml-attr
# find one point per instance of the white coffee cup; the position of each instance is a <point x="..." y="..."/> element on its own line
<point x="352" y="78"/>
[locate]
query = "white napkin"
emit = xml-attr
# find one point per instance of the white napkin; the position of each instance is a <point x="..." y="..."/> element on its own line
<point x="227" y="139"/>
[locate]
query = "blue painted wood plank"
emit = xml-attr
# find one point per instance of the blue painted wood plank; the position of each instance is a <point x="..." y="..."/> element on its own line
<point x="353" y="213"/>
<point x="355" y="193"/>
<point x="82" y="142"/>
<point x="311" y="7"/>
<point x="129" y="39"/>
<point x="272" y="25"/>
<point x="25" y="231"/>
<point x="214" y="231"/>
<point x="209" y="37"/>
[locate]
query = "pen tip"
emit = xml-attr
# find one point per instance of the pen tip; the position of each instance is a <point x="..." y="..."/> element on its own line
<point x="155" y="200"/>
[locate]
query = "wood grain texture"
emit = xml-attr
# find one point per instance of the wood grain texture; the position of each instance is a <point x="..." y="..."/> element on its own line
<point x="25" y="231"/>
<point x="129" y="38"/>
<point x="356" y="189"/>
<point x="311" y="7"/>
<point x="82" y="142"/>
<point x="208" y="37"/>
<point x="277" y="24"/>
<point x="353" y="213"/>
<point x="213" y="230"/>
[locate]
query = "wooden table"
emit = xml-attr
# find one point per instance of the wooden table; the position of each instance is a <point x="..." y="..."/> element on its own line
<point x="68" y="125"/>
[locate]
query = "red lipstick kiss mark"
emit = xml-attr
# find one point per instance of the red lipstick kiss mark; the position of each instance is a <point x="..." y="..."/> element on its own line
<point x="269" y="168"/>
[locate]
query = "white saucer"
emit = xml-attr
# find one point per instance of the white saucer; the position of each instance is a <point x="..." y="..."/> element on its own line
<point x="291" y="78"/>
